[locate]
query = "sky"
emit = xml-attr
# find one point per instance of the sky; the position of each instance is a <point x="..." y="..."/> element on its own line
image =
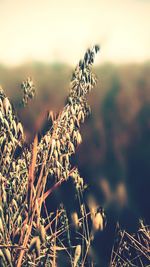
<point x="61" y="30"/>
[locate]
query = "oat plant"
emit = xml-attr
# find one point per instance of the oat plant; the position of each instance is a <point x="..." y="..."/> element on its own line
<point x="131" y="249"/>
<point x="30" y="235"/>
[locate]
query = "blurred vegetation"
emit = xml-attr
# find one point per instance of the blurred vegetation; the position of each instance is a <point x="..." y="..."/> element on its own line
<point x="114" y="157"/>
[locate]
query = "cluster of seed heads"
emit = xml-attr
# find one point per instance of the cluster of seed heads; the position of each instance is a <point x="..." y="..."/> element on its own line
<point x="53" y="155"/>
<point x="11" y="133"/>
<point x="131" y="249"/>
<point x="11" y="141"/>
<point x="28" y="90"/>
<point x="61" y="141"/>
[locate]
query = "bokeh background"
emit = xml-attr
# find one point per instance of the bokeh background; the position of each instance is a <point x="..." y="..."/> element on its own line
<point x="45" y="39"/>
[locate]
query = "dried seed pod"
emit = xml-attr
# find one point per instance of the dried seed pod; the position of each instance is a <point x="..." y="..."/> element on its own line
<point x="1" y="226"/>
<point x="4" y="195"/>
<point x="71" y="147"/>
<point x="65" y="175"/>
<point x="79" y="138"/>
<point x="66" y="115"/>
<point x="6" y="124"/>
<point x="72" y="110"/>
<point x="97" y="48"/>
<point x="74" y="134"/>
<point x="35" y="245"/>
<point x="1" y="118"/>
<point x="67" y="136"/>
<point x="14" y="204"/>
<point x="67" y="159"/>
<point x="28" y="89"/>
<point x="12" y="140"/>
<point x="71" y="120"/>
<point x="72" y="84"/>
<point x="46" y="139"/>
<point x="79" y="182"/>
<point x="75" y="219"/>
<point x="20" y="129"/>
<point x="1" y="212"/>
<point x="6" y="105"/>
<point x="77" y="255"/>
<point x="71" y="127"/>
<point x="58" y="172"/>
<point x="17" y="235"/>
<point x="56" y="154"/>
<point x="76" y="107"/>
<point x="7" y="255"/>
<point x="70" y="101"/>
<point x="2" y="259"/>
<point x="19" y="220"/>
<point x="42" y="233"/>
<point x="93" y="80"/>
<point x="86" y="56"/>
<point x="52" y="146"/>
<point x="81" y="116"/>
<point x="97" y="221"/>
<point x="58" y="145"/>
<point x="1" y="106"/>
<point x="7" y="160"/>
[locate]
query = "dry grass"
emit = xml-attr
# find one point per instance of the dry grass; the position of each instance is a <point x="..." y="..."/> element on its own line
<point x="30" y="234"/>
<point x="132" y="250"/>
<point x="27" y="238"/>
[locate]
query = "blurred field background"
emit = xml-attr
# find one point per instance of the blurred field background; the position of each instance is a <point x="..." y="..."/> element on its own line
<point x="45" y="41"/>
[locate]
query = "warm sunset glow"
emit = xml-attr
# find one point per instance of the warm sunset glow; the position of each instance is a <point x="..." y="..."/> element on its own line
<point x="61" y="30"/>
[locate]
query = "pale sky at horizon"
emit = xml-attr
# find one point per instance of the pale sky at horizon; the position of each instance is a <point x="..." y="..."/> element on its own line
<point x="46" y="30"/>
